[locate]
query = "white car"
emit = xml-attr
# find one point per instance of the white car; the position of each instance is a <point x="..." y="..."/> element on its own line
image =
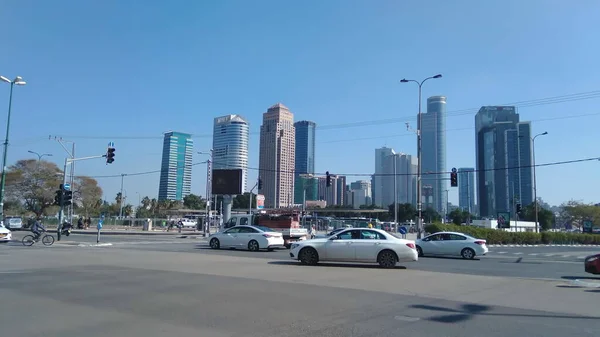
<point x="5" y="234"/>
<point x="451" y="243"/>
<point x="13" y="222"/>
<point x="356" y="245"/>
<point x="253" y="238"/>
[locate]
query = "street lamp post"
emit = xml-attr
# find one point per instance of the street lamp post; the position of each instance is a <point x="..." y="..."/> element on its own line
<point x="18" y="81"/>
<point x="537" y="228"/>
<point x="209" y="168"/>
<point x="419" y="148"/>
<point x="40" y="156"/>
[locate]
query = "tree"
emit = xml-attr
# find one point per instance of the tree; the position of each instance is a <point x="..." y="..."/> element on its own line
<point x="193" y="201"/>
<point x="406" y="212"/>
<point x="545" y="217"/>
<point x="87" y="196"/>
<point x="431" y="215"/>
<point x="33" y="183"/>
<point x="242" y="201"/>
<point x="459" y="216"/>
<point x="577" y="212"/>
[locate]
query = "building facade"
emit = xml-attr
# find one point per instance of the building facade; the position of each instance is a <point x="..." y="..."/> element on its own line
<point x="359" y="194"/>
<point x="434" y="153"/>
<point x="176" y="166"/>
<point x="466" y="189"/>
<point x="504" y="160"/>
<point x="404" y="167"/>
<point x="305" y="162"/>
<point x="230" y="145"/>
<point x="381" y="177"/>
<point x="277" y="157"/>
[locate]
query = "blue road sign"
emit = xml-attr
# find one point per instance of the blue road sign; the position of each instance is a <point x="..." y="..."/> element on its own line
<point x="402" y="230"/>
<point x="67" y="187"/>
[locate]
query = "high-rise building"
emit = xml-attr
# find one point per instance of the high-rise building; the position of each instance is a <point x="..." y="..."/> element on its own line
<point x="359" y="193"/>
<point x="176" y="166"/>
<point x="230" y="145"/>
<point x="433" y="153"/>
<point x="277" y="157"/>
<point x="504" y="160"/>
<point x="404" y="166"/>
<point x="380" y="178"/>
<point x="340" y="191"/>
<point x="334" y="194"/>
<point x="305" y="162"/>
<point x="466" y="189"/>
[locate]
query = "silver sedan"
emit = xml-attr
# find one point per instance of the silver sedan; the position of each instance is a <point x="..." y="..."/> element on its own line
<point x="451" y="243"/>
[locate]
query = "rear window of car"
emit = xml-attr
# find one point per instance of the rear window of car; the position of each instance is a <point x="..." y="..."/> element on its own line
<point x="14" y="220"/>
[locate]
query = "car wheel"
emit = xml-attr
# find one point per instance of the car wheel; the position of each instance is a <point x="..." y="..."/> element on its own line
<point x="419" y="251"/>
<point x="215" y="244"/>
<point x="253" y="246"/>
<point x="308" y="256"/>
<point x="468" y="253"/>
<point x="387" y="259"/>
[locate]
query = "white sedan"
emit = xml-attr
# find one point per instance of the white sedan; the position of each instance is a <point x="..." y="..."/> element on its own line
<point x="451" y="243"/>
<point x="356" y="245"/>
<point x="5" y="234"/>
<point x="253" y="238"/>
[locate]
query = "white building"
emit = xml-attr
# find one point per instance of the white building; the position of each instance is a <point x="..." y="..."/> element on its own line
<point x="230" y="145"/>
<point x="515" y="226"/>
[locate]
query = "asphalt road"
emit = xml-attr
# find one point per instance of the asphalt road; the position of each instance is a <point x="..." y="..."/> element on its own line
<point x="130" y="292"/>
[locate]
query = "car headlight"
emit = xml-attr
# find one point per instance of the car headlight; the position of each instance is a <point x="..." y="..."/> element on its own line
<point x="294" y="245"/>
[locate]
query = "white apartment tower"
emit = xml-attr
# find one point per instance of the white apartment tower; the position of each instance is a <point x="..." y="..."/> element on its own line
<point x="230" y="145"/>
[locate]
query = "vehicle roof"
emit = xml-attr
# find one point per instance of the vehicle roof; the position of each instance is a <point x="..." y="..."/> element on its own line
<point x="457" y="233"/>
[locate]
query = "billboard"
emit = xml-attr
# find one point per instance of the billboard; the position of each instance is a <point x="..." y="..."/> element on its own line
<point x="227" y="182"/>
<point x="260" y="201"/>
<point x="503" y="219"/>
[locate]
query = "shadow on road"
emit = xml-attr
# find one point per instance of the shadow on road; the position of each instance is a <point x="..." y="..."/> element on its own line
<point x="204" y="247"/>
<point x="326" y="264"/>
<point x="448" y="258"/>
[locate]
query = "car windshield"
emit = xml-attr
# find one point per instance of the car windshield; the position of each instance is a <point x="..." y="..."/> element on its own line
<point x="264" y="229"/>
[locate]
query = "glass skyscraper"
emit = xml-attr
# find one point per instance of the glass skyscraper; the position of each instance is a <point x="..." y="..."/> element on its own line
<point x="466" y="189"/>
<point x="230" y="145"/>
<point x="504" y="160"/>
<point x="305" y="161"/>
<point x="176" y="167"/>
<point x="434" y="154"/>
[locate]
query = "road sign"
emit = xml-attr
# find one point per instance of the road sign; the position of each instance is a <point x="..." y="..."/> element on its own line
<point x="67" y="187"/>
<point x="402" y="230"/>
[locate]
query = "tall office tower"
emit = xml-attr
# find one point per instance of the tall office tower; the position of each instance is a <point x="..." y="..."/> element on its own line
<point x="466" y="189"/>
<point x="381" y="177"/>
<point x="329" y="194"/>
<point x="176" y="166"/>
<point x="360" y="193"/>
<point x="305" y="162"/>
<point x="340" y="190"/>
<point x="404" y="167"/>
<point x="504" y="160"/>
<point x="277" y="156"/>
<point x="230" y="145"/>
<point x="433" y="153"/>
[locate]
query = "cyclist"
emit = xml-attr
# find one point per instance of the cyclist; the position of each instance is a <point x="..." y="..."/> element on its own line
<point x="37" y="228"/>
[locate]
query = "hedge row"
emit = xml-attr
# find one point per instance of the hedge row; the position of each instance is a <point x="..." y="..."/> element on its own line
<point x="493" y="236"/>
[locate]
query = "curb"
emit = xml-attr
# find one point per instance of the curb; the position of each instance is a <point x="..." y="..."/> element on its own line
<point x="542" y="245"/>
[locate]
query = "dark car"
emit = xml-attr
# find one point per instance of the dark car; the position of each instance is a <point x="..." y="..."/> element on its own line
<point x="592" y="264"/>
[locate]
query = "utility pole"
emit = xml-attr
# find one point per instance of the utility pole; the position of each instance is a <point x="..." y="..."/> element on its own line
<point x="71" y="155"/>
<point x="121" y="198"/>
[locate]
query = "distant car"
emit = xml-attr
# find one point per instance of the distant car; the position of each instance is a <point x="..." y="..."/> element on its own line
<point x="592" y="264"/>
<point x="356" y="245"/>
<point x="5" y="234"/>
<point x="253" y="238"/>
<point x="453" y="244"/>
<point x="13" y="223"/>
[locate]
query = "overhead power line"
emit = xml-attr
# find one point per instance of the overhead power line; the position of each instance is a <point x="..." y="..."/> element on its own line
<point x="425" y="174"/>
<point x="453" y="113"/>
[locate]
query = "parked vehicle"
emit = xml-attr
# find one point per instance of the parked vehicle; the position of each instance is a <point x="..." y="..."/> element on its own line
<point x="13" y="223"/>
<point x="287" y="224"/>
<point x="451" y="243"/>
<point x="5" y="234"/>
<point x="356" y="245"/>
<point x="253" y="238"/>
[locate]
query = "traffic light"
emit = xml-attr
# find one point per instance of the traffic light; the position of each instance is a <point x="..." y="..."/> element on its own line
<point x="327" y="179"/>
<point x="58" y="197"/>
<point x="67" y="196"/>
<point x="519" y="209"/>
<point x="453" y="179"/>
<point x="259" y="184"/>
<point x="110" y="155"/>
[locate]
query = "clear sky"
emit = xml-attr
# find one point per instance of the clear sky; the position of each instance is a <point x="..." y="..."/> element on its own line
<point x="126" y="71"/>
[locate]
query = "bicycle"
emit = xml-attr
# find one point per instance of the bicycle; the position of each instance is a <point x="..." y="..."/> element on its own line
<point x="29" y="240"/>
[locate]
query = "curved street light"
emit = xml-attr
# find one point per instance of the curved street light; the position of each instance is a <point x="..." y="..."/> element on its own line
<point x="419" y="148"/>
<point x="537" y="227"/>
<point x="40" y="156"/>
<point x="18" y="81"/>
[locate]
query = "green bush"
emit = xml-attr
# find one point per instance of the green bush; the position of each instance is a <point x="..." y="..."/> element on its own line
<point x="494" y="236"/>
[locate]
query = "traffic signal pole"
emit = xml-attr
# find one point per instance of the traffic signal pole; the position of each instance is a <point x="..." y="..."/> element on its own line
<point x="64" y="181"/>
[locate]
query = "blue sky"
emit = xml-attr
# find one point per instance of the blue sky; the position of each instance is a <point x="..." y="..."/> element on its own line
<point x="126" y="71"/>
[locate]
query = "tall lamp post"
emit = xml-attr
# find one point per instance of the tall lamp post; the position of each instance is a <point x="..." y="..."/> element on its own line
<point x="537" y="228"/>
<point x="209" y="169"/>
<point x="40" y="156"/>
<point x="419" y="144"/>
<point x="18" y="81"/>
